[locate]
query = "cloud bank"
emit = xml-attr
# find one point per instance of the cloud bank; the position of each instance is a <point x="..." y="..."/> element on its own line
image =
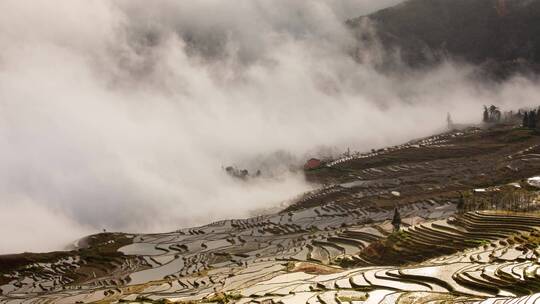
<point x="121" y="114"/>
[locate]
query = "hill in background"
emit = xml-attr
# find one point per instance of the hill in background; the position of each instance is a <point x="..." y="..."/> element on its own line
<point x="501" y="36"/>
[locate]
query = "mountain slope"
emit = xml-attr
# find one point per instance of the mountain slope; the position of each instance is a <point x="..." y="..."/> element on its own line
<point x="503" y="36"/>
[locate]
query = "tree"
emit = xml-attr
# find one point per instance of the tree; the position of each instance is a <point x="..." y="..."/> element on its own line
<point x="494" y="114"/>
<point x="486" y="115"/>
<point x="532" y="120"/>
<point x="396" y="220"/>
<point x="491" y="114"/>
<point x="525" y="123"/>
<point x="449" y="122"/>
<point x="497" y="115"/>
<point x="461" y="203"/>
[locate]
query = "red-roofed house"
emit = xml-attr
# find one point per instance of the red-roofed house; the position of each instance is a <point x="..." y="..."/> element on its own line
<point x="313" y="163"/>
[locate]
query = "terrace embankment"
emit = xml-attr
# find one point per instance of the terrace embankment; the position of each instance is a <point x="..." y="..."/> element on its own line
<point x="438" y="167"/>
<point x="447" y="236"/>
<point x="335" y="245"/>
<point x="98" y="258"/>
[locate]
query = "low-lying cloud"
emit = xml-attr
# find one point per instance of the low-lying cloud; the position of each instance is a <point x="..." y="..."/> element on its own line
<point x="121" y="114"/>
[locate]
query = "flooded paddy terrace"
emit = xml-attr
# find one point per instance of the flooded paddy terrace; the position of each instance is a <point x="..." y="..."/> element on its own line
<point x="335" y="244"/>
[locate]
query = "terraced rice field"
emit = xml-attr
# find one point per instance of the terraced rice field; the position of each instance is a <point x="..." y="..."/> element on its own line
<point x="335" y="244"/>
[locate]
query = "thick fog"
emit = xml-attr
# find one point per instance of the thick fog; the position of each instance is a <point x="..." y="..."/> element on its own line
<point x="121" y="115"/>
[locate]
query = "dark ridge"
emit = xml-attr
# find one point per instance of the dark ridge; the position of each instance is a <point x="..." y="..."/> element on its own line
<point x="502" y="37"/>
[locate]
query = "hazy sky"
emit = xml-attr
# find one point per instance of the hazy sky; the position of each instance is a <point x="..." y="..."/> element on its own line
<point x="121" y="114"/>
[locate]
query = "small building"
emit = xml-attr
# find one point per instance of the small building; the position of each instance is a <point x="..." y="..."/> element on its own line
<point x="312" y="164"/>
